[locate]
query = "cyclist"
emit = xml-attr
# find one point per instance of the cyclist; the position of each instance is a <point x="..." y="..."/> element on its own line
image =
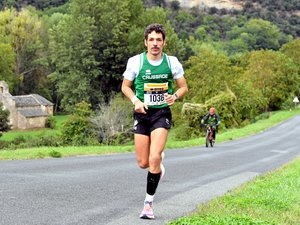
<point x="211" y="119"/>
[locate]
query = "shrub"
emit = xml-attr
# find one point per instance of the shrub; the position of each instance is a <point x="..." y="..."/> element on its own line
<point x="50" y="122"/>
<point x="78" y="130"/>
<point x="4" y="120"/>
<point x="114" y="120"/>
<point x="55" y="154"/>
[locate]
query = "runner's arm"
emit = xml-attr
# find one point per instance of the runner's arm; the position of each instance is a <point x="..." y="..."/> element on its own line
<point x="128" y="92"/>
<point x="182" y="87"/>
<point x="181" y="91"/>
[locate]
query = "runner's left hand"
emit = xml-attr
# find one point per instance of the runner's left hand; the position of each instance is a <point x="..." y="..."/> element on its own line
<point x="170" y="99"/>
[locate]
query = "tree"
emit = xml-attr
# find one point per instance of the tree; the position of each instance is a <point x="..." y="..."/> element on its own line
<point x="7" y="63"/>
<point x="23" y="31"/>
<point x="273" y="74"/>
<point x="74" y="60"/>
<point x="257" y="34"/>
<point x="136" y="32"/>
<point x="208" y="73"/>
<point x="96" y="56"/>
<point x="292" y="50"/>
<point x="4" y="120"/>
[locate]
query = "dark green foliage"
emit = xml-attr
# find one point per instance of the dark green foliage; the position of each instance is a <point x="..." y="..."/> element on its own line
<point x="121" y="138"/>
<point x="4" y="144"/>
<point x="184" y="132"/>
<point x="78" y="129"/>
<point x="39" y="4"/>
<point x="278" y="12"/>
<point x="273" y="74"/>
<point x="45" y="141"/>
<point x="50" y="122"/>
<point x="4" y="119"/>
<point x="19" y="140"/>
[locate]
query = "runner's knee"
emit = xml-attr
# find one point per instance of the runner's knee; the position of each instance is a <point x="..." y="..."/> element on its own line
<point x="155" y="160"/>
<point x="143" y="164"/>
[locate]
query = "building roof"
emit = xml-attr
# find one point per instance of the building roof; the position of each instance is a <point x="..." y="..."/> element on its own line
<point x="31" y="100"/>
<point x="32" y="112"/>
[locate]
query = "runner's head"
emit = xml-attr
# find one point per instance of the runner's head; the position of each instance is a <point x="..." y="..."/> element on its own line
<point x="154" y="40"/>
<point x="212" y="111"/>
<point x="157" y="28"/>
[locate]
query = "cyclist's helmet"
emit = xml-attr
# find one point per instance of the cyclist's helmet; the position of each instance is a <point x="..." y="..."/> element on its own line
<point x="212" y="110"/>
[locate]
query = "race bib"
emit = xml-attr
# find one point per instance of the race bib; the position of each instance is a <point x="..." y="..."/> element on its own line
<point x="154" y="93"/>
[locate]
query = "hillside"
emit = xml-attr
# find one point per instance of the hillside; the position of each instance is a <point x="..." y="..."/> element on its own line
<point x="285" y="14"/>
<point x="227" y="4"/>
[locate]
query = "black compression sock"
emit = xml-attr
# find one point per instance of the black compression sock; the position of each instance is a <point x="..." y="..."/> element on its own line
<point x="152" y="182"/>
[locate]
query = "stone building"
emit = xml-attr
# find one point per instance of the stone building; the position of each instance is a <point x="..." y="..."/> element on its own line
<point x="26" y="111"/>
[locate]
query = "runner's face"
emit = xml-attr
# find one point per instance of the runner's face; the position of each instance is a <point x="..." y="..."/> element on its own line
<point x="154" y="43"/>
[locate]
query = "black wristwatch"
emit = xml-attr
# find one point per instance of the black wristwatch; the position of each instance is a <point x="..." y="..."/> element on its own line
<point x="176" y="95"/>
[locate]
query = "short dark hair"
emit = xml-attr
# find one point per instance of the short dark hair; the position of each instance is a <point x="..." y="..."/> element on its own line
<point x="158" y="28"/>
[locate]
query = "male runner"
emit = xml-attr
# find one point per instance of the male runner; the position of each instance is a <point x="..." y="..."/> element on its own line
<point x="148" y="83"/>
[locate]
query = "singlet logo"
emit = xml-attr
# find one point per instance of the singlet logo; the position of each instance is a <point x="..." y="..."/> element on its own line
<point x="156" y="76"/>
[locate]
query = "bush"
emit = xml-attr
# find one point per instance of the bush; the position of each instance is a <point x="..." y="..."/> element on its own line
<point x="184" y="132"/>
<point x="55" y="154"/>
<point x="4" y="121"/>
<point x="18" y="140"/>
<point x="50" y="122"/>
<point x="78" y="129"/>
<point x="121" y="138"/>
<point x="4" y="144"/>
<point x="51" y="141"/>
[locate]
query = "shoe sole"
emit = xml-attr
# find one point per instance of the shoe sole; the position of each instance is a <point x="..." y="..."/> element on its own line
<point x="146" y="217"/>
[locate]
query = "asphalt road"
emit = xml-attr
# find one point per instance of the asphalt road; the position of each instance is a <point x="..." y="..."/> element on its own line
<point x="110" y="189"/>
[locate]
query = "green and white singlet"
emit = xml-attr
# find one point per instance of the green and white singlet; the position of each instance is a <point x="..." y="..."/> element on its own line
<point x="153" y="78"/>
<point x="152" y="82"/>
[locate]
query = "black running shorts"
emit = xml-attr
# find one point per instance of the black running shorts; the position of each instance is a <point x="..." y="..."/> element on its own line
<point x="154" y="118"/>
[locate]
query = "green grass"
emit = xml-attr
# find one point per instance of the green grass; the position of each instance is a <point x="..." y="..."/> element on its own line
<point x="11" y="135"/>
<point x="43" y="152"/>
<point x="273" y="198"/>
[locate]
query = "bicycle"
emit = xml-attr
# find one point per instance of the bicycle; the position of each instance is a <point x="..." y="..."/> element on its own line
<point x="209" y="140"/>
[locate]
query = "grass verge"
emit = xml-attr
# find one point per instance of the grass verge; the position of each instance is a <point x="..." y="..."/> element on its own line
<point x="273" y="198"/>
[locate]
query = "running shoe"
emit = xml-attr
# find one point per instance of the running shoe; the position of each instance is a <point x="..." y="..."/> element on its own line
<point x="162" y="168"/>
<point x="162" y="171"/>
<point x="162" y="156"/>
<point x="147" y="212"/>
